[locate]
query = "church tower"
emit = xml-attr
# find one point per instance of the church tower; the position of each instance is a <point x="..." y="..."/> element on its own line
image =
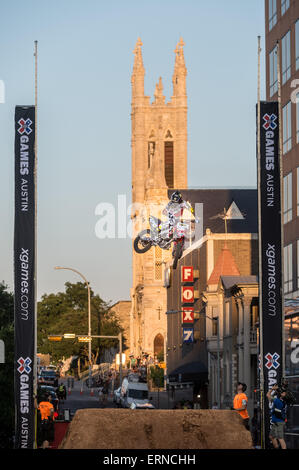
<point x="159" y="163"/>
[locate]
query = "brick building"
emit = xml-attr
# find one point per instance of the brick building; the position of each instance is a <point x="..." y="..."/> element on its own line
<point x="282" y="26"/>
<point x="212" y="256"/>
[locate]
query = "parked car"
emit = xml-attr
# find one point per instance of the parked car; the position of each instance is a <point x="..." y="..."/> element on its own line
<point x="134" y="394"/>
<point x="51" y="367"/>
<point x="116" y="395"/>
<point x="48" y="377"/>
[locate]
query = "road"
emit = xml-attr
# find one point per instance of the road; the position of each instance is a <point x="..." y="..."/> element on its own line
<point x="82" y="397"/>
<point x="77" y="400"/>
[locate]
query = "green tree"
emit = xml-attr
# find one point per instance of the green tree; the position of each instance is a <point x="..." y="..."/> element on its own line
<point x="67" y="312"/>
<point x="7" y="369"/>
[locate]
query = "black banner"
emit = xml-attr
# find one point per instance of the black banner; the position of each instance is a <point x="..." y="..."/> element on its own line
<point x="24" y="267"/>
<point x="270" y="255"/>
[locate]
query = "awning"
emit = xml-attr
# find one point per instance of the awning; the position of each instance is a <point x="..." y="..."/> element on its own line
<point x="191" y="371"/>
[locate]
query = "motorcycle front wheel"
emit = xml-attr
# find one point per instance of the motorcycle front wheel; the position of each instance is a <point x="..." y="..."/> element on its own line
<point x="143" y="242"/>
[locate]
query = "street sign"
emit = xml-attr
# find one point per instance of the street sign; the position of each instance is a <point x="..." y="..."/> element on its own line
<point x="69" y="336"/>
<point x="188" y="315"/>
<point x="187" y="274"/>
<point x="55" y="337"/>
<point x="188" y="335"/>
<point x="84" y="339"/>
<point x="188" y="294"/>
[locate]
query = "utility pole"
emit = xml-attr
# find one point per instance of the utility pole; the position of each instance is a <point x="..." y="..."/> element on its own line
<point x="89" y="315"/>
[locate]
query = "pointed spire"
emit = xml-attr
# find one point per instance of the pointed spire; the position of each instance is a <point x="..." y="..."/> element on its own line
<point x="137" y="78"/>
<point x="180" y="71"/>
<point x="179" y="56"/>
<point x="138" y="62"/>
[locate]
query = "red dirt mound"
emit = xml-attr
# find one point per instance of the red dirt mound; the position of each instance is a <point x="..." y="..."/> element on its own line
<point x="156" y="429"/>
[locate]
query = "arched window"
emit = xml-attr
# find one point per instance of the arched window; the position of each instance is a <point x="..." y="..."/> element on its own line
<point x="159" y="345"/>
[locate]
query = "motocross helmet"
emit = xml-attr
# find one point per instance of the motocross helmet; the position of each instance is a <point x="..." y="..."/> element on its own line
<point x="176" y="197"/>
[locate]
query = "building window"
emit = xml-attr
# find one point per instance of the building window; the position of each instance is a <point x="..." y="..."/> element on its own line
<point x="214" y="321"/>
<point x="287" y="127"/>
<point x="168" y="164"/>
<point x="288" y="268"/>
<point x="272" y="14"/>
<point x="297" y="44"/>
<point x="287" y="198"/>
<point x="227" y="331"/>
<point x="284" y="6"/>
<point x="159" y="347"/>
<point x="286" y="57"/>
<point x="273" y="71"/>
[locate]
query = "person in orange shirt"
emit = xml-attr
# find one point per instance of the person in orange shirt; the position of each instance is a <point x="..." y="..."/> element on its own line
<point x="240" y="404"/>
<point x="46" y="410"/>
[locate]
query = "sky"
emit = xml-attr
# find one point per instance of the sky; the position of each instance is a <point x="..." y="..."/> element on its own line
<point x="85" y="60"/>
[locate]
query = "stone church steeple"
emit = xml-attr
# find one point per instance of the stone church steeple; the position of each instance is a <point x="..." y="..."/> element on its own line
<point x="159" y="163"/>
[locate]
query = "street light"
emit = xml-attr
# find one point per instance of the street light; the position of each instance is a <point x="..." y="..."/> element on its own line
<point x="89" y="317"/>
<point x="218" y="349"/>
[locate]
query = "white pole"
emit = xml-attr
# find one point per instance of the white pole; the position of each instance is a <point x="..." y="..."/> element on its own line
<point x="281" y="203"/>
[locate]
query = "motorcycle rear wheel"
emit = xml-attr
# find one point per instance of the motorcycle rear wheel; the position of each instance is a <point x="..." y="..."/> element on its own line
<point x="141" y="243"/>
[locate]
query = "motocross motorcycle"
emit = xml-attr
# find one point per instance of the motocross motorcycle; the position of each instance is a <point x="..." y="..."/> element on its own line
<point x="162" y="234"/>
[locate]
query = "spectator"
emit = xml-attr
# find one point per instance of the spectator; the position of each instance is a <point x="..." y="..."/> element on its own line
<point x="215" y="406"/>
<point x="46" y="410"/>
<point x="240" y="404"/>
<point x="133" y="362"/>
<point x="278" y="416"/>
<point x="105" y="391"/>
<point x="61" y="392"/>
<point x="101" y="395"/>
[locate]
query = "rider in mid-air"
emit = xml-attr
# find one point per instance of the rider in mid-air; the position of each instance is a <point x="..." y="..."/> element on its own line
<point x="175" y="208"/>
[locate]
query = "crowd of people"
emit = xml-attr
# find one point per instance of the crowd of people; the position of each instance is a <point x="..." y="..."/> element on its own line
<point x="144" y="360"/>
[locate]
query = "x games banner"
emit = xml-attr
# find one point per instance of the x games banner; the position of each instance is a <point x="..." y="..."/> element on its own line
<point x="270" y="255"/>
<point x="24" y="265"/>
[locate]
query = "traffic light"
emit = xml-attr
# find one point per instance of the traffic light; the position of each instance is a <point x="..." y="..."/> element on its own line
<point x="55" y="338"/>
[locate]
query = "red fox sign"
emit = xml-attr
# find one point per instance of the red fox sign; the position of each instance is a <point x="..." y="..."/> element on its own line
<point x="188" y="315"/>
<point x="188" y="294"/>
<point x="187" y="274"/>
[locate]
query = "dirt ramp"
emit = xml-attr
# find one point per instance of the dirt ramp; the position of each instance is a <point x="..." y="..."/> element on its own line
<point x="156" y="429"/>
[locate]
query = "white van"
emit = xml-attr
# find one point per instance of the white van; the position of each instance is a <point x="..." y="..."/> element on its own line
<point x="134" y="394"/>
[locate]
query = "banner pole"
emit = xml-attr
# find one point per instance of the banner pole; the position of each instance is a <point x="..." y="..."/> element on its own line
<point x="282" y="206"/>
<point x="35" y="244"/>
<point x="261" y="371"/>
